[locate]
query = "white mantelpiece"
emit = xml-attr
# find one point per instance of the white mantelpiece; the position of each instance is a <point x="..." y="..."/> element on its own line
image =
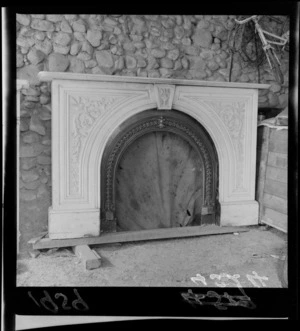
<point x="86" y="111"/>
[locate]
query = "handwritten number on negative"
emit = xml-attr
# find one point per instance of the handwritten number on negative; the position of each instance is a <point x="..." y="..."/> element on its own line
<point x="49" y="304"/>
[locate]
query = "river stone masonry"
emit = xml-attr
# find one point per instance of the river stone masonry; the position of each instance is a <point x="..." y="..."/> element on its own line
<point x="167" y="46"/>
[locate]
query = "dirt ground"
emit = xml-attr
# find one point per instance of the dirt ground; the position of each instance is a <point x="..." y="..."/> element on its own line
<point x="171" y="262"/>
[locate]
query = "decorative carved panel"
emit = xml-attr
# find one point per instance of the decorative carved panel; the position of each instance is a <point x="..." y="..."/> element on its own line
<point x="229" y="117"/>
<point x="232" y="114"/>
<point x="90" y="111"/>
<point x="164" y="96"/>
<point x="84" y="112"/>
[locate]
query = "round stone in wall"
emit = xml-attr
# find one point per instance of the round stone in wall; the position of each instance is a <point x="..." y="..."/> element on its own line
<point x="27" y="195"/>
<point x="30" y="73"/>
<point x="45" y="46"/>
<point x="202" y="38"/>
<point x="94" y="37"/>
<point x="29" y="175"/>
<point x="62" y="38"/>
<point x="30" y="137"/>
<point x="42" y="25"/>
<point x="58" y="62"/>
<point x="36" y="125"/>
<point x="76" y="65"/>
<point x="20" y="60"/>
<point x="158" y="53"/>
<point x="130" y="62"/>
<point x="54" y="18"/>
<point x="104" y="59"/>
<point x="43" y="160"/>
<point x="23" y="19"/>
<point x="65" y="27"/>
<point x="79" y="26"/>
<point x="35" y="56"/>
<point x="28" y="163"/>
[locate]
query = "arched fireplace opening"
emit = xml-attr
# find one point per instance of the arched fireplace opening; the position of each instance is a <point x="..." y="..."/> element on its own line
<point x="159" y="170"/>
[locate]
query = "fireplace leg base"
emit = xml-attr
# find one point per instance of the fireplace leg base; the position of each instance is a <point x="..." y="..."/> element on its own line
<point x="239" y="213"/>
<point x="73" y="223"/>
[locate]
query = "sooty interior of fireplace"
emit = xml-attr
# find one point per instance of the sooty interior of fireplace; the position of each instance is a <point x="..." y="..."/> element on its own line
<point x="161" y="172"/>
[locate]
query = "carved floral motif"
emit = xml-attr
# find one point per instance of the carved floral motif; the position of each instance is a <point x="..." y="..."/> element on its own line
<point x="232" y="114"/>
<point x="84" y="111"/>
<point x="164" y="96"/>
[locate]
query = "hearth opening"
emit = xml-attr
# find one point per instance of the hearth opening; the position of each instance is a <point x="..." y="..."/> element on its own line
<point x="159" y="170"/>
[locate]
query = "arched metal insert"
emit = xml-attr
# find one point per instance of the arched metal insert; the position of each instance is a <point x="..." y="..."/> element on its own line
<point x="141" y="124"/>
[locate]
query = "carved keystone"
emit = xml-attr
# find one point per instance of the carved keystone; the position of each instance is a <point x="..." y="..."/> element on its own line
<point x="164" y="96"/>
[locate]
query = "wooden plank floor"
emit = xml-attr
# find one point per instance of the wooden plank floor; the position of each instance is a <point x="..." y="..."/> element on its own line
<point x="129" y="236"/>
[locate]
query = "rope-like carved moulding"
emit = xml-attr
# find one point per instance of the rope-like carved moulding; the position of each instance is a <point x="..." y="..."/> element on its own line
<point x="169" y="121"/>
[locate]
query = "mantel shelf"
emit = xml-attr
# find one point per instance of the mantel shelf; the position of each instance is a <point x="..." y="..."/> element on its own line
<point x="46" y="76"/>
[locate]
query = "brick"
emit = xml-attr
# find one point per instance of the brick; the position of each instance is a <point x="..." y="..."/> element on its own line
<point x="278" y="141"/>
<point x="275" y="203"/>
<point x="278" y="160"/>
<point x="275" y="218"/>
<point x="275" y="188"/>
<point x="277" y="174"/>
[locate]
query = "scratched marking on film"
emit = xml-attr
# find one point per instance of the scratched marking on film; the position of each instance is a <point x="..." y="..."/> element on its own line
<point x="225" y="300"/>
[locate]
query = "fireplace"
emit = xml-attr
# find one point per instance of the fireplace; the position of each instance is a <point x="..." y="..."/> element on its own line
<point x="159" y="170"/>
<point x="101" y="124"/>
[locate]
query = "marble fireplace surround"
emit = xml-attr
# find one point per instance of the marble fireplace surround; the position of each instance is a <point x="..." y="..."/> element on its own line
<point x="86" y="111"/>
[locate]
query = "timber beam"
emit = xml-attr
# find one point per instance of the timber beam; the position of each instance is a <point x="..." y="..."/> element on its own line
<point x="130" y="236"/>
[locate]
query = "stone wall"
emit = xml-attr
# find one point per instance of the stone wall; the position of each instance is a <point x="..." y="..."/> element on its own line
<point x="187" y="47"/>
